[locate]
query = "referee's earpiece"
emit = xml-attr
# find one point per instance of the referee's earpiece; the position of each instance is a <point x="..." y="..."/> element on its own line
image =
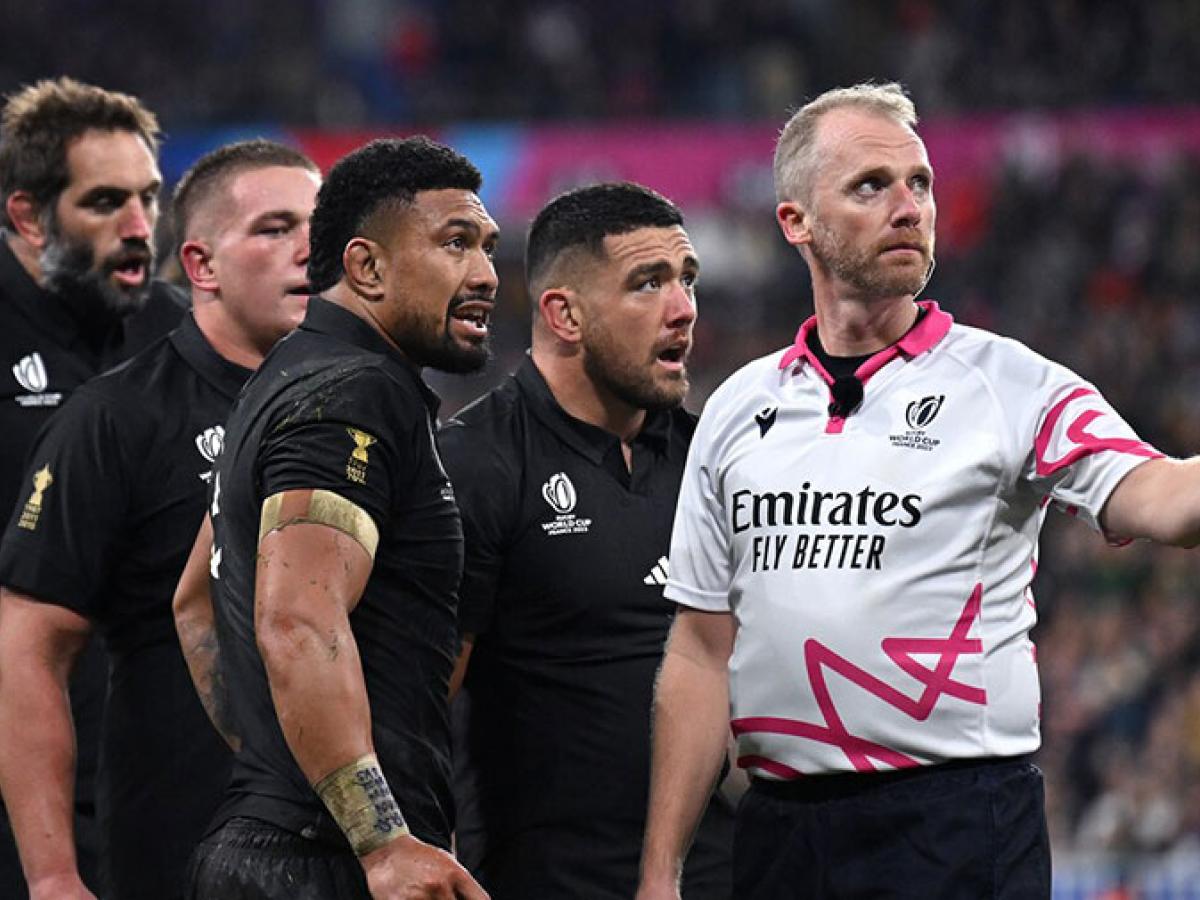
<point x="928" y="275"/>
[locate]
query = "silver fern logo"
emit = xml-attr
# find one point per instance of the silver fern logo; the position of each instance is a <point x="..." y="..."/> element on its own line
<point x="30" y="373"/>
<point x="559" y="493"/>
<point x="210" y="442"/>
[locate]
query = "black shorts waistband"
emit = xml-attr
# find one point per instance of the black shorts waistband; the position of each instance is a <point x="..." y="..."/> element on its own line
<point x="839" y="785"/>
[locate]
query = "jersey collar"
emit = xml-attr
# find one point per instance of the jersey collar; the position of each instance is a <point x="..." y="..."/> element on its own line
<point x="44" y="310"/>
<point x="925" y="335"/>
<point x="588" y="439"/>
<point x="326" y="317"/>
<point x="227" y="377"/>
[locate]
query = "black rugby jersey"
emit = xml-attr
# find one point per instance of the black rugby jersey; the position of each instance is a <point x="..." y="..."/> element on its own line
<point x="562" y="587"/>
<point x="49" y="345"/>
<point x="111" y="501"/>
<point x="335" y="407"/>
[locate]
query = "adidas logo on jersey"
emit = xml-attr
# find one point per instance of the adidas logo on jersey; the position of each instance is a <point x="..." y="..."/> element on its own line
<point x="659" y="574"/>
<point x="30" y="372"/>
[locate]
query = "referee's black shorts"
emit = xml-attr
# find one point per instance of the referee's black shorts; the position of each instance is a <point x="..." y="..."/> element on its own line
<point x="973" y="830"/>
<point x="248" y="859"/>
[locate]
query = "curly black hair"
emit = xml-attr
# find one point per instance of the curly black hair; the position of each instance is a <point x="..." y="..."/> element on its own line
<point x="584" y="217"/>
<point x="384" y="172"/>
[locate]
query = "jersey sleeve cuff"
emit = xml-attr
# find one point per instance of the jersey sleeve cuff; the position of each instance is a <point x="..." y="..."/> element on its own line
<point x="686" y="595"/>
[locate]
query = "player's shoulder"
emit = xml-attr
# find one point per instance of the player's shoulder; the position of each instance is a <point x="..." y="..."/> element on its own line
<point x="360" y="389"/>
<point x="489" y="430"/>
<point x="491" y="412"/>
<point x="127" y="388"/>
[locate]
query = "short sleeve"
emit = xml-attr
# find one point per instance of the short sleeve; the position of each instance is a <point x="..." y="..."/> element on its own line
<point x="483" y="486"/>
<point x="351" y="436"/>
<point x="1082" y="449"/>
<point x="700" y="558"/>
<point x="72" y="504"/>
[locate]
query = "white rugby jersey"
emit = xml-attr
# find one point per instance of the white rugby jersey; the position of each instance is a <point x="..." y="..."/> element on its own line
<point x="879" y="566"/>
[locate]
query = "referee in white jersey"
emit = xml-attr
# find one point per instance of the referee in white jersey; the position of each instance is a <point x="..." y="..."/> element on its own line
<point x="853" y="550"/>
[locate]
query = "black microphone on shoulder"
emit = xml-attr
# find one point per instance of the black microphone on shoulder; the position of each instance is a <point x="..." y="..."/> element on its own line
<point x="847" y="393"/>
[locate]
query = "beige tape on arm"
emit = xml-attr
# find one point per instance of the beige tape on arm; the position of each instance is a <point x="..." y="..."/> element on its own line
<point x="321" y="508"/>
<point x="359" y="799"/>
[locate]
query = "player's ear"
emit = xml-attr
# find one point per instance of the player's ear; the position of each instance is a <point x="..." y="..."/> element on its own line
<point x="196" y="259"/>
<point x="562" y="313"/>
<point x="26" y="218"/>
<point x="364" y="264"/>
<point x="794" y="222"/>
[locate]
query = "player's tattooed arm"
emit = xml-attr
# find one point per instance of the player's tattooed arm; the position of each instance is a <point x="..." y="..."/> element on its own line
<point x="196" y="626"/>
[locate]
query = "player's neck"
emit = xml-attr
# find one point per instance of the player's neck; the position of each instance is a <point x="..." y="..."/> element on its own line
<point x="27" y="255"/>
<point x="857" y="328"/>
<point x="583" y="399"/>
<point x="223" y="335"/>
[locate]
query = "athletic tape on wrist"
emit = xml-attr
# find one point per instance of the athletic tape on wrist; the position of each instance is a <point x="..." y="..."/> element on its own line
<point x="323" y="508"/>
<point x="360" y="801"/>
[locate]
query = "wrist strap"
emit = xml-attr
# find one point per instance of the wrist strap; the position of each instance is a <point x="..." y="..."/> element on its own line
<point x="360" y="801"/>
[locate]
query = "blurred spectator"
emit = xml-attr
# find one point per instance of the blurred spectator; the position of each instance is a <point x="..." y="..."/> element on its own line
<point x="318" y="62"/>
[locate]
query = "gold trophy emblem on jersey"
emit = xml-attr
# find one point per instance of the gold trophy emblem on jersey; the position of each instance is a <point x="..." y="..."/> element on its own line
<point x="356" y="465"/>
<point x="42" y="479"/>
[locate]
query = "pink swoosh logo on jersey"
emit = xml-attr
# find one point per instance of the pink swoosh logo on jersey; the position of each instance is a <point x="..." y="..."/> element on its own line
<point x="1085" y="442"/>
<point x="937" y="680"/>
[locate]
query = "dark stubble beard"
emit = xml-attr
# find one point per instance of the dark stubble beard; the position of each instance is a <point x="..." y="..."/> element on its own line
<point x="70" y="268"/>
<point x="426" y="346"/>
<point x="629" y="383"/>
<point x="862" y="270"/>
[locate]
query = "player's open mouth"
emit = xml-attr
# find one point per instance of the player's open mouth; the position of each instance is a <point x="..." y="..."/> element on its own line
<point x="673" y="356"/>
<point x="300" y="290"/>
<point x="472" y="319"/>
<point x="132" y="272"/>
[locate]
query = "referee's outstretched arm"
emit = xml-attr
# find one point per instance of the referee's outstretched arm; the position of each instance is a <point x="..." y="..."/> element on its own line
<point x="1159" y="500"/>
<point x="691" y="724"/>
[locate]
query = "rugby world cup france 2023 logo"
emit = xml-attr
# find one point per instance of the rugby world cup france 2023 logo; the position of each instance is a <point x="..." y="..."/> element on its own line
<point x="559" y="493"/>
<point x="921" y="412"/>
<point x="919" y="415"/>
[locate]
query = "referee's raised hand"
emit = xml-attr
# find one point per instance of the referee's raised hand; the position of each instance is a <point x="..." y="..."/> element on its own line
<point x="409" y="869"/>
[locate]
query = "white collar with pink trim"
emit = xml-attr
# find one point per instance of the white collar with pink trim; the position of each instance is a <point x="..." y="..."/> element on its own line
<point x="924" y="335"/>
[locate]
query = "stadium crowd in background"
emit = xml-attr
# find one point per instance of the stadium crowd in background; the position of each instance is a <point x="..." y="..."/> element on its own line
<point x="1107" y="249"/>
<point x="425" y="61"/>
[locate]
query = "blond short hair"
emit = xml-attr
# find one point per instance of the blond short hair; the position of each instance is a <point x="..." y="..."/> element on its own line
<point x="796" y="149"/>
